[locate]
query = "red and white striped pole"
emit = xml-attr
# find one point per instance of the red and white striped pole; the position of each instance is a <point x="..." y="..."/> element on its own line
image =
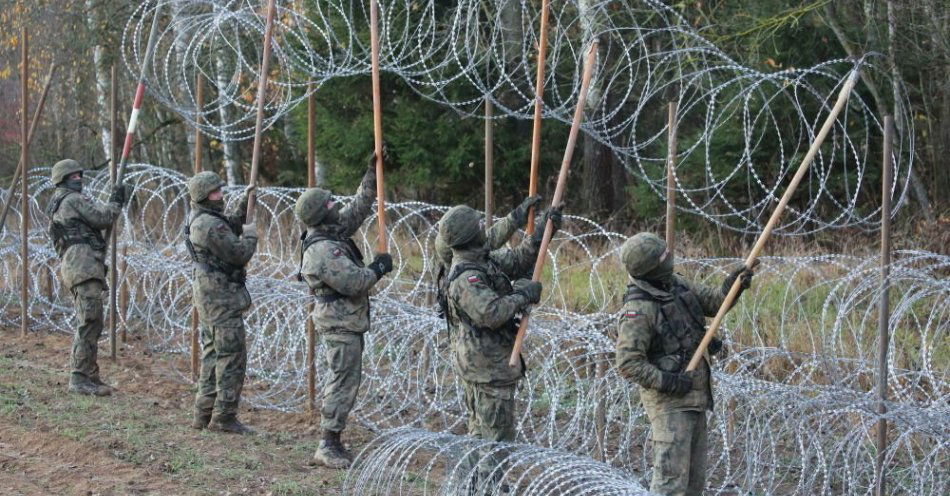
<point x="139" y="96"/>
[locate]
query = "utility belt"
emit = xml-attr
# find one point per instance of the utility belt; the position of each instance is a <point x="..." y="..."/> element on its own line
<point x="74" y="232"/>
<point x="238" y="276"/>
<point x="328" y="297"/>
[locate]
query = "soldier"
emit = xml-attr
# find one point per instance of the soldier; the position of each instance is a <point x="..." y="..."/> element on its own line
<point x="220" y="246"/>
<point x="333" y="268"/>
<point x="662" y="323"/>
<point x="482" y="306"/>
<point x="76" y="225"/>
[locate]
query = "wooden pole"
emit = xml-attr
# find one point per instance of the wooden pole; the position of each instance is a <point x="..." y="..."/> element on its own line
<point x="489" y="163"/>
<point x="538" y="107"/>
<point x="514" y="360"/>
<point x="259" y="124"/>
<point x="382" y="244"/>
<point x="24" y="186"/>
<point x="884" y="315"/>
<point x="311" y="331"/>
<point x="670" y="179"/>
<point x="113" y="237"/>
<point x="199" y="148"/>
<point x="776" y="215"/>
<point x="29" y="140"/>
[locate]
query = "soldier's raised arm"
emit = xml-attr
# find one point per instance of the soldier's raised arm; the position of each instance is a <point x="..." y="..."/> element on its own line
<point x="353" y="215"/>
<point x="518" y="262"/>
<point x="332" y="267"/>
<point x="500" y="232"/>
<point x="97" y="215"/>
<point x="224" y="244"/>
<point x="237" y="214"/>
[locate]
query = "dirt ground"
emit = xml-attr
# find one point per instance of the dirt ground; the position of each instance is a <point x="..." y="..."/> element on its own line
<point x="138" y="441"/>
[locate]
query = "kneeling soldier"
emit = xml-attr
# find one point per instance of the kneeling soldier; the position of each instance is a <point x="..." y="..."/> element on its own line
<point x="662" y="323"/>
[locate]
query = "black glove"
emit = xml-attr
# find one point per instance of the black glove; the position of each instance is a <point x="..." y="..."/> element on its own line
<point x="745" y="274"/>
<point x="555" y="216"/>
<point x="371" y="159"/>
<point x="715" y="346"/>
<point x="520" y="213"/>
<point x="118" y="195"/>
<point x="676" y="384"/>
<point x="381" y="265"/>
<point x="531" y="290"/>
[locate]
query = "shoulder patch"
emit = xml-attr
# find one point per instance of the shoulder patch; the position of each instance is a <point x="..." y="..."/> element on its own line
<point x="222" y="227"/>
<point x="631" y="315"/>
<point x="337" y="252"/>
<point x="474" y="279"/>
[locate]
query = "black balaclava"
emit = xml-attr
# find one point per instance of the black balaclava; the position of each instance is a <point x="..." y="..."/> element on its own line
<point x="661" y="276"/>
<point x="73" y="184"/>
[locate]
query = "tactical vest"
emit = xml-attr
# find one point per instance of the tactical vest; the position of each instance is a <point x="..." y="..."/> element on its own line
<point x="205" y="260"/>
<point x="352" y="252"/>
<point x="497" y="281"/>
<point x="681" y="327"/>
<point x="73" y="231"/>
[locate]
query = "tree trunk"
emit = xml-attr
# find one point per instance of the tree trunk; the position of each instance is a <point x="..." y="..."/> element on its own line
<point x="95" y="19"/>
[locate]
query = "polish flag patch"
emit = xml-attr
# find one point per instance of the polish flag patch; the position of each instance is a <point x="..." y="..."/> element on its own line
<point x="337" y="252"/>
<point x="631" y="315"/>
<point x="474" y="279"/>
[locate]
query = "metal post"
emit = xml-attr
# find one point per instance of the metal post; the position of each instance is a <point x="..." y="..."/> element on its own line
<point x="24" y="187"/>
<point x="670" y="179"/>
<point x="114" y="233"/>
<point x="311" y="332"/>
<point x="885" y="310"/>
<point x="489" y="163"/>
<point x="199" y="104"/>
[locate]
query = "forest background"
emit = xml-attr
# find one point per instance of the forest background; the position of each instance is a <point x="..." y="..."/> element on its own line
<point x="438" y="154"/>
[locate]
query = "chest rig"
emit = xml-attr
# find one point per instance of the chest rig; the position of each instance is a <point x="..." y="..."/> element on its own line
<point x="680" y="327"/>
<point x="205" y="260"/>
<point x="350" y="250"/>
<point x="73" y="231"/>
<point x="496" y="279"/>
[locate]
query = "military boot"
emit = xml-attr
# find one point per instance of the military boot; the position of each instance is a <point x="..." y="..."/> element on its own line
<point x="82" y="385"/>
<point x="202" y="418"/>
<point x="230" y="425"/>
<point x="102" y="385"/>
<point x="331" y="453"/>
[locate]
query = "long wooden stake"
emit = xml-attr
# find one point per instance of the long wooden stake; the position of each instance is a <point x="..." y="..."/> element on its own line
<point x="24" y="186"/>
<point x="489" y="163"/>
<point x="515" y="359"/>
<point x="199" y="148"/>
<point x="776" y="215"/>
<point x="259" y="124"/>
<point x="114" y="234"/>
<point x="538" y="107"/>
<point x="383" y="243"/>
<point x="884" y="315"/>
<point x="311" y="331"/>
<point x="29" y="140"/>
<point x="670" y="179"/>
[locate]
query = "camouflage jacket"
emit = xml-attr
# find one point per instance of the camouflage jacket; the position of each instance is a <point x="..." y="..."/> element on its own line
<point x="220" y="295"/>
<point x="83" y="220"/>
<point x="482" y="311"/>
<point x="333" y="268"/>
<point x="659" y="331"/>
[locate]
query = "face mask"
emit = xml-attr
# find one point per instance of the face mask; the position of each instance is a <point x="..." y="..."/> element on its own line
<point x="73" y="184"/>
<point x="332" y="217"/>
<point x="662" y="273"/>
<point x="216" y="205"/>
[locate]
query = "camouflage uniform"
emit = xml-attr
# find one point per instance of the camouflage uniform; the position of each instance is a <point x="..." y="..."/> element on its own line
<point x="482" y="309"/>
<point x="661" y="325"/>
<point x="220" y="252"/>
<point x="76" y="225"/>
<point x="333" y="268"/>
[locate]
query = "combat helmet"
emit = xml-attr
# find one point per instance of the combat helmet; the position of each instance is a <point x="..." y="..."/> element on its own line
<point x="202" y="184"/>
<point x="312" y="206"/>
<point x="642" y="253"/>
<point x="63" y="169"/>
<point x="459" y="225"/>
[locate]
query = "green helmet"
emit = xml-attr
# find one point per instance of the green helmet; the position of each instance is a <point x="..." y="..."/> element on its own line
<point x="311" y="207"/>
<point x="459" y="225"/>
<point x="642" y="253"/>
<point x="63" y="169"/>
<point x="202" y="184"/>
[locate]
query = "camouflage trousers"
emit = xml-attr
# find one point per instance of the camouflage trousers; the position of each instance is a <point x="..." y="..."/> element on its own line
<point x="87" y="297"/>
<point x="679" y="453"/>
<point x="223" y="366"/>
<point x="491" y="416"/>
<point x="344" y="366"/>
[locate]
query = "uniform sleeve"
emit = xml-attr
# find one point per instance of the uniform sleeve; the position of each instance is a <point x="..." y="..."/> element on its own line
<point x="483" y="305"/>
<point x="500" y="232"/>
<point x="634" y="337"/>
<point x="353" y="215"/>
<point x="225" y="245"/>
<point x="709" y="298"/>
<point x="237" y="214"/>
<point x="517" y="262"/>
<point x="333" y="268"/>
<point x="97" y="215"/>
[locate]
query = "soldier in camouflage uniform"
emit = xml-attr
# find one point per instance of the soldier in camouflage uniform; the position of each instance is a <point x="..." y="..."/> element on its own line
<point x="482" y="306"/>
<point x="76" y="225"/>
<point x="662" y="323"/>
<point x="333" y="268"/>
<point x="220" y="245"/>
